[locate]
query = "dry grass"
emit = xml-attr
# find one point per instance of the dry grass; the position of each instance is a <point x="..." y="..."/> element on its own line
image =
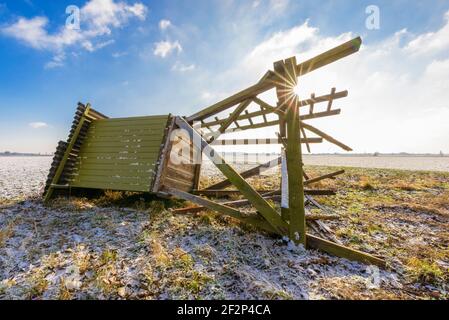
<point x="401" y="216"/>
<point x="6" y="233"/>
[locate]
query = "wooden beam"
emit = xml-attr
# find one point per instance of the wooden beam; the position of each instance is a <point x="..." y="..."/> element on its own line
<point x="304" y="139"/>
<point x="326" y="176"/>
<point x="247" y="174"/>
<point x="220" y="208"/>
<point x="282" y="139"/>
<point x="342" y="251"/>
<point x="268" y="81"/>
<point x="241" y="203"/>
<point x="228" y="121"/>
<point x="225" y="193"/>
<point x="325" y="136"/>
<point x="329" y="56"/>
<point x="297" y="230"/>
<point x="234" y="204"/>
<point x="67" y="152"/>
<point x="249" y="127"/>
<point x="324" y="98"/>
<point x="236" y="142"/>
<point x="313" y="242"/>
<point x="265" y="209"/>
<point x="329" y="105"/>
<point x="265" y="111"/>
<point x="267" y="108"/>
<point x="322" y="114"/>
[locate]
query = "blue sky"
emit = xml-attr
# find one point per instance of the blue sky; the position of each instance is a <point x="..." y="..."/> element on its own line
<point x="152" y="57"/>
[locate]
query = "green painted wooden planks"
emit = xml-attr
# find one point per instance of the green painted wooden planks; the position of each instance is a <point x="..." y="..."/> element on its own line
<point x="120" y="154"/>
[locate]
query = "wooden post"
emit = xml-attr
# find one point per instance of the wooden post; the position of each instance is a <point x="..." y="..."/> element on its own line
<point x="289" y="101"/>
<point x="284" y="187"/>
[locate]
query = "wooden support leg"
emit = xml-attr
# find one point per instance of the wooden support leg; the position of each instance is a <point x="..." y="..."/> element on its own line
<point x="262" y="206"/>
<point x="253" y="220"/>
<point x="342" y="251"/>
<point x="295" y="179"/>
<point x="289" y="101"/>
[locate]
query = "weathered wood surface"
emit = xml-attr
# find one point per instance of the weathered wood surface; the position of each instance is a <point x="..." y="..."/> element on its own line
<point x="325" y="136"/>
<point x="234" y="204"/>
<point x="256" y="141"/>
<point x="268" y="109"/>
<point x="338" y="250"/>
<point x="181" y="171"/>
<point x="323" y="177"/>
<point x="120" y="154"/>
<point x="296" y="211"/>
<point x="226" y="193"/>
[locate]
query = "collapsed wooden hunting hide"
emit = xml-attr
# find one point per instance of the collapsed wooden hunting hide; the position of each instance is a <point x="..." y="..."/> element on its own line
<point x="162" y="154"/>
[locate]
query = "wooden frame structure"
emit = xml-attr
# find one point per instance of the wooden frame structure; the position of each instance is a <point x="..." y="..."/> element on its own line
<point x="198" y="133"/>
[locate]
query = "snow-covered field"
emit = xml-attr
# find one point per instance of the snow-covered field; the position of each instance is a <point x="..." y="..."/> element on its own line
<point x="94" y="249"/>
<point x="22" y="176"/>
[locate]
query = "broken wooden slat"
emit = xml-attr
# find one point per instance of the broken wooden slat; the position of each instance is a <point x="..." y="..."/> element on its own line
<point x="305" y="139"/>
<point x="228" y="121"/>
<point x="268" y="109"/>
<point x="325" y="136"/>
<point x="247" y="174"/>
<point x="312" y="104"/>
<point x="326" y="176"/>
<point x="331" y="99"/>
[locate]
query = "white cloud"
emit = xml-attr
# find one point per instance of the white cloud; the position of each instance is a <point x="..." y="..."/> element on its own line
<point x="117" y="55"/>
<point x="164" y="48"/>
<point x="256" y="3"/>
<point x="98" y="18"/>
<point x="431" y="42"/>
<point x="164" y="24"/>
<point x="56" y="62"/>
<point x="38" y="125"/>
<point x="89" y="46"/>
<point x="33" y="33"/>
<point x="278" y="6"/>
<point x="180" y="67"/>
<point x="102" y="15"/>
<point x="284" y="44"/>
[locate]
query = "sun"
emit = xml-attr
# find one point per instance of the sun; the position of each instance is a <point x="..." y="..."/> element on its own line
<point x="296" y="90"/>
